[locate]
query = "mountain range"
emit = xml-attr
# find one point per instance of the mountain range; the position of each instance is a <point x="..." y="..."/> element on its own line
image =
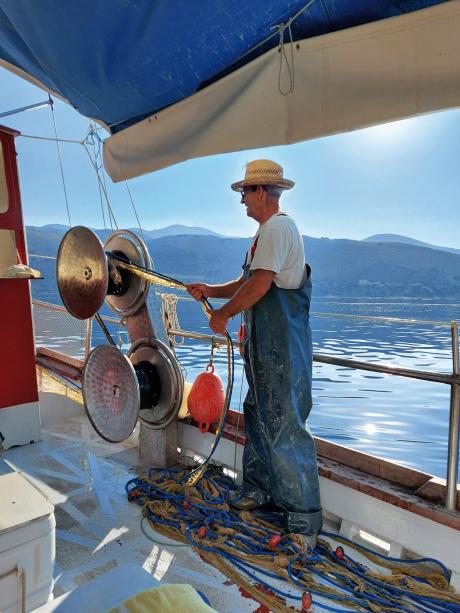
<point x="173" y="230"/>
<point x="379" y="266"/>
<point x="398" y="238"/>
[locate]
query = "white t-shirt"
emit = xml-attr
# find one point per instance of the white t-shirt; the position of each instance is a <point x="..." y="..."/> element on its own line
<point x="278" y="246"/>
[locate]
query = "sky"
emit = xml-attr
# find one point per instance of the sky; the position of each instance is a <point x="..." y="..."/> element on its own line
<point x="398" y="178"/>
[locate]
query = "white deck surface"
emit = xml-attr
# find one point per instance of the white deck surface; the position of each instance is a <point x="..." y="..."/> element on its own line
<point x="97" y="529"/>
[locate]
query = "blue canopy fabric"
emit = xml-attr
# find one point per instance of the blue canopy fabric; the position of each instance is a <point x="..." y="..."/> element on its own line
<point x="121" y="61"/>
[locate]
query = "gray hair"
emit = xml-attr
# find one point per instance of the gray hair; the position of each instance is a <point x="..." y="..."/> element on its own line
<point x="274" y="191"/>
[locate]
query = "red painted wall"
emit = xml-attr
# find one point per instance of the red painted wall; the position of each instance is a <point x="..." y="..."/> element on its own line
<point x="18" y="381"/>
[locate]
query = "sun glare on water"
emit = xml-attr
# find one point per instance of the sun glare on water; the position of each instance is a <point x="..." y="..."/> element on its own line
<point x="370" y="429"/>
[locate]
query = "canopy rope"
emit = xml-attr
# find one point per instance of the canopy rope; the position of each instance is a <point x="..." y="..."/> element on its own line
<point x="277" y="28"/>
<point x="289" y="62"/>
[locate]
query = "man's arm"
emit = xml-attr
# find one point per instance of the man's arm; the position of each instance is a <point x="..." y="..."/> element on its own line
<point x="249" y="292"/>
<point x="224" y="290"/>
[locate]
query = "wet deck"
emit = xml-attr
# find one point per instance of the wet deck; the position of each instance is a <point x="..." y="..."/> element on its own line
<point x="97" y="529"/>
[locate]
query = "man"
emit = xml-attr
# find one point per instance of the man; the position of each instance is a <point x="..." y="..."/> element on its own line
<point x="279" y="459"/>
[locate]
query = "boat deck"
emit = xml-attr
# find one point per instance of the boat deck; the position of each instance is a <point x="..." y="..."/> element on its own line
<point x="97" y="529"/>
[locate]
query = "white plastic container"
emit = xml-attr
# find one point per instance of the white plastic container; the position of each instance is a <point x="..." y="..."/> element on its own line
<point x="27" y="543"/>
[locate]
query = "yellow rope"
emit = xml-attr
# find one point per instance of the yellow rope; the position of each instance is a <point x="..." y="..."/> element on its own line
<point x="436" y="580"/>
<point x="436" y="587"/>
<point x="170" y="318"/>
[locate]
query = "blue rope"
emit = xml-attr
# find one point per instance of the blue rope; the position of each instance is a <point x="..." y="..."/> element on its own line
<point x="445" y="571"/>
<point x="254" y="539"/>
<point x="395" y="589"/>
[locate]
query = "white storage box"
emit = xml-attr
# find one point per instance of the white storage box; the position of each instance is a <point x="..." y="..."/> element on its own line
<point x="27" y="543"/>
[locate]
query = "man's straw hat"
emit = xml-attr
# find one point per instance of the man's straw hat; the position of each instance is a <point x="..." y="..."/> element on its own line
<point x="263" y="172"/>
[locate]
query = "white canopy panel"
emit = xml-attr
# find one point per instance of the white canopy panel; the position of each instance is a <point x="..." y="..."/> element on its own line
<point x="379" y="72"/>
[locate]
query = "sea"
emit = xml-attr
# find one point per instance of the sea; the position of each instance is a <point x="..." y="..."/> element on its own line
<point x="392" y="417"/>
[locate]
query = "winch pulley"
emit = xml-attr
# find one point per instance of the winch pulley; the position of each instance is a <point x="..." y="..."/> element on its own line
<point x="87" y="272"/>
<point x="160" y="376"/>
<point x="146" y="384"/>
<point x="117" y="389"/>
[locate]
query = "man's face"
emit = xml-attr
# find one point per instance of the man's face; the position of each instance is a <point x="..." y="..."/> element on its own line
<point x="252" y="198"/>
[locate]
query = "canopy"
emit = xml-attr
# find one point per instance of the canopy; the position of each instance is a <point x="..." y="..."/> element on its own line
<point x="180" y="79"/>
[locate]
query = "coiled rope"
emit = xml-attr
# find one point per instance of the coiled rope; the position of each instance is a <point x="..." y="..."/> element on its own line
<point x="243" y="547"/>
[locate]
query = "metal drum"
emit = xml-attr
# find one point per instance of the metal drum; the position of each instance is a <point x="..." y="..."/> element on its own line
<point x="134" y="289"/>
<point x="111" y="393"/>
<point x="160" y="379"/>
<point x="81" y="272"/>
<point x="87" y="273"/>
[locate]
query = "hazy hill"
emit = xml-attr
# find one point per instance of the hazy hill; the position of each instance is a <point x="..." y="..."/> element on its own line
<point x="398" y="238"/>
<point x="45" y="240"/>
<point x="173" y="230"/>
<point x="357" y="268"/>
<point x="178" y="230"/>
<point x="340" y="267"/>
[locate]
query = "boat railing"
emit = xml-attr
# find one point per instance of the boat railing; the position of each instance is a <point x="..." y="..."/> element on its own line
<point x="78" y="339"/>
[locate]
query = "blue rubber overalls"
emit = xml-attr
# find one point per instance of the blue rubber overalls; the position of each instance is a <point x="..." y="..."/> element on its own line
<point x="279" y="458"/>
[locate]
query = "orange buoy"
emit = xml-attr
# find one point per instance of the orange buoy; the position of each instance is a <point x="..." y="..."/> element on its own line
<point x="206" y="398"/>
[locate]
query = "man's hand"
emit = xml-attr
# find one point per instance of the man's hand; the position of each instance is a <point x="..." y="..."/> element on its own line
<point x="199" y="290"/>
<point x="218" y="322"/>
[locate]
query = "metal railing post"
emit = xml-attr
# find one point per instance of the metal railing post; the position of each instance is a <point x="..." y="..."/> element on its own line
<point x="454" y="422"/>
<point x="88" y="329"/>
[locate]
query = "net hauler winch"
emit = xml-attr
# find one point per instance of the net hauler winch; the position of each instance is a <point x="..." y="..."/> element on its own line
<point x="147" y="383"/>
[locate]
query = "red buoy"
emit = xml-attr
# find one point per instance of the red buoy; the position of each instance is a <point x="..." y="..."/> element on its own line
<point x="186" y="504"/>
<point x="207" y="398"/>
<point x="307" y="601"/>
<point x="275" y="540"/>
<point x="339" y="553"/>
<point x="202" y="532"/>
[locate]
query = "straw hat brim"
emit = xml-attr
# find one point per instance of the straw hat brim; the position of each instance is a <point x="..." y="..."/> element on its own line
<point x="283" y="183"/>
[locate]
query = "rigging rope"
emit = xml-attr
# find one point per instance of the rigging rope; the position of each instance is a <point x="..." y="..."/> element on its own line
<point x="135" y="211"/>
<point x="101" y="185"/>
<point x="90" y="139"/>
<point x="53" y="140"/>
<point x="93" y="139"/>
<point x="60" y="160"/>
